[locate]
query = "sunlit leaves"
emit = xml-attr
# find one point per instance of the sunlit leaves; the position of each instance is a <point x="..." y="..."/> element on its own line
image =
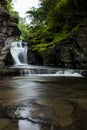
<point x="24" y="29"/>
<point x="10" y="9"/>
<point x="52" y="22"/>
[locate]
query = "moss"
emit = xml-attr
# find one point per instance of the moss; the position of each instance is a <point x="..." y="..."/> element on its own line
<point x="58" y="37"/>
<point x="43" y="46"/>
<point x="75" y="29"/>
<point x="61" y="22"/>
<point x="40" y="47"/>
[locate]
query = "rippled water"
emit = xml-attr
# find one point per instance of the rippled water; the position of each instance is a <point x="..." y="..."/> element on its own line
<point x="42" y="97"/>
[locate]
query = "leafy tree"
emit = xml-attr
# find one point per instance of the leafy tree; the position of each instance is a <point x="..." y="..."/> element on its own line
<point x="24" y="29"/>
<point x="10" y="9"/>
<point x="53" y="21"/>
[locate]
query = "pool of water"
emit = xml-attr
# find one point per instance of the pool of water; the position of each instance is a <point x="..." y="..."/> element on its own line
<point x="28" y="102"/>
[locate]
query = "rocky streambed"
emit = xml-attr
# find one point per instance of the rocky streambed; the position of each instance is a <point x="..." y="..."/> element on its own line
<point x="43" y="103"/>
<point x="55" y="114"/>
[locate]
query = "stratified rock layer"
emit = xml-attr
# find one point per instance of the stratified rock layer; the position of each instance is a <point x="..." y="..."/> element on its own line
<point x="8" y="32"/>
<point x="69" y="53"/>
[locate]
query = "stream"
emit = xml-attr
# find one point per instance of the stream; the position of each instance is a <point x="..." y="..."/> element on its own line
<point x="43" y="103"/>
<point x="40" y="97"/>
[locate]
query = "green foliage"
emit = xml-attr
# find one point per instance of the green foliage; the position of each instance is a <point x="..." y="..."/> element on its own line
<point x="24" y="29"/>
<point x="52" y="22"/>
<point x="49" y="41"/>
<point x="10" y="9"/>
<point x="37" y="16"/>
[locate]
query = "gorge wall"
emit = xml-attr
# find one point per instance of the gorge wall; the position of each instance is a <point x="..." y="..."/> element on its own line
<point x="8" y="32"/>
<point x="62" y="38"/>
<point x="71" y="52"/>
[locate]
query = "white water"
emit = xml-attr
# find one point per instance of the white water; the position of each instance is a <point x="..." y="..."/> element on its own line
<point x="26" y="125"/>
<point x="50" y="72"/>
<point x="19" y="53"/>
<point x="70" y="73"/>
<point x="24" y="112"/>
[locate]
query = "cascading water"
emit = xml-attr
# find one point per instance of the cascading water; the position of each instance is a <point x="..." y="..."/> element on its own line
<point x="19" y="53"/>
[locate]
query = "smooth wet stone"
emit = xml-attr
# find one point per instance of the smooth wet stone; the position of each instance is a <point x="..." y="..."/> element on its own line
<point x="82" y="102"/>
<point x="48" y="111"/>
<point x="11" y="126"/>
<point x="62" y="108"/>
<point x="63" y="111"/>
<point x="43" y="100"/>
<point x="3" y="123"/>
<point x="65" y="121"/>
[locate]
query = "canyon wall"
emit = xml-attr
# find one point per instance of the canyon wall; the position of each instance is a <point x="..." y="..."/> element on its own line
<point x="69" y="53"/>
<point x="8" y="32"/>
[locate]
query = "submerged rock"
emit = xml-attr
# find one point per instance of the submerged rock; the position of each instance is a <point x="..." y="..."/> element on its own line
<point x="84" y="73"/>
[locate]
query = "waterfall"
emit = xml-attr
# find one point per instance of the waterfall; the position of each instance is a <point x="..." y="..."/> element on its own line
<point x="18" y="51"/>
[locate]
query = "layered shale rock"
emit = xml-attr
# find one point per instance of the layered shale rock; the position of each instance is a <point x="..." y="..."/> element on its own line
<point x="72" y="51"/>
<point x="69" y="53"/>
<point x="8" y="32"/>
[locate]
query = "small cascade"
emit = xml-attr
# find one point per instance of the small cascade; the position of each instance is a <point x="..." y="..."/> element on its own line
<point x="18" y="51"/>
<point x="70" y="73"/>
<point x="38" y="71"/>
<point x="50" y="72"/>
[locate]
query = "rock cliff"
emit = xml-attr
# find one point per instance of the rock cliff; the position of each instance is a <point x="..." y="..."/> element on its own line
<point x="8" y="32"/>
<point x="71" y="52"/>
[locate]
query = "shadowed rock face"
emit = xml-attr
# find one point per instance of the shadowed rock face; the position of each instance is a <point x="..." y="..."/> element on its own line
<point x="8" y="31"/>
<point x="71" y="52"/>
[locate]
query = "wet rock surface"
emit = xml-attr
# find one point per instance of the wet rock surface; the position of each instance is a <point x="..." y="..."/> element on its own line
<point x="8" y="32"/>
<point x="84" y="73"/>
<point x="31" y="112"/>
<point x="54" y="114"/>
<point x="69" y="53"/>
<point x="41" y="70"/>
<point x="43" y="103"/>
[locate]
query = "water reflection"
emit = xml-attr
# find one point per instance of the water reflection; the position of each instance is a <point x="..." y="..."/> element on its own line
<point x="57" y="99"/>
<point x="26" y="125"/>
<point x="32" y="87"/>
